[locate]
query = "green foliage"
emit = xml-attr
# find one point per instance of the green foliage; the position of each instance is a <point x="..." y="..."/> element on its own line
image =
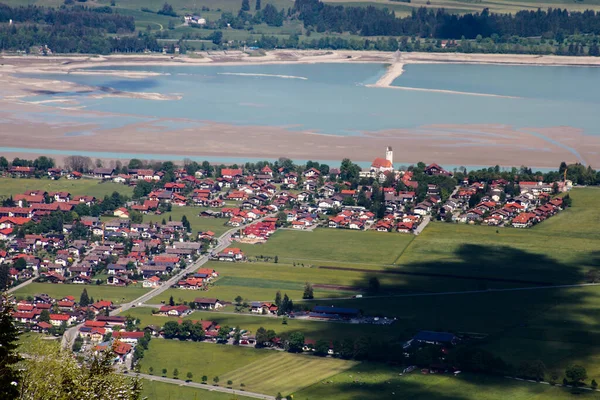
<point x="295" y="342"/>
<point x="84" y="300"/>
<point x="576" y="373"/>
<point x="308" y="291"/>
<point x="8" y="352"/>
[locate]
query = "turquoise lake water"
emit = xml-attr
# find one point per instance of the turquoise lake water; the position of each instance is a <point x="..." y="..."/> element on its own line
<point x="332" y="98"/>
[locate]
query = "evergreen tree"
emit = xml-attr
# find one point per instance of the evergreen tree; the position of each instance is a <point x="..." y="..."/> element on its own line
<point x="308" y="291"/>
<point x="84" y="300"/>
<point x="171" y="301"/>
<point x="278" y="299"/>
<point x="258" y="6"/>
<point x="245" y="5"/>
<point x="45" y="316"/>
<point x="9" y="374"/>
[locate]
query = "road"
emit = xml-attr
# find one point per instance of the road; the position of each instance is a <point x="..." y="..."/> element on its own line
<point x="423" y="224"/>
<point x="22" y="285"/>
<point x="223" y="242"/>
<point x="211" y="388"/>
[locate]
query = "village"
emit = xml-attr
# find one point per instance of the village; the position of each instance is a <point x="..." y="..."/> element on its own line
<point x="174" y="274"/>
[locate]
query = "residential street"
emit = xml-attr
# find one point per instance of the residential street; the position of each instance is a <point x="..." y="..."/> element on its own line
<point x="205" y="387"/>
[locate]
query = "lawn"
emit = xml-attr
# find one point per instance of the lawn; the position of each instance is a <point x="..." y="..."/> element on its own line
<point x="115" y="294"/>
<point x="265" y="375"/>
<point x="198" y="358"/>
<point x="369" y="381"/>
<point x="90" y="187"/>
<point x="557" y="251"/>
<point x="152" y="390"/>
<point x="198" y="224"/>
<point x="325" y="245"/>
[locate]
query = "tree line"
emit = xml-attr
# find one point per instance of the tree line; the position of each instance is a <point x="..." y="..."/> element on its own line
<point x="372" y="21"/>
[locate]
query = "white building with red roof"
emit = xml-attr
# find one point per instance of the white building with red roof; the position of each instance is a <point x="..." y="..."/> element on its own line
<point x="384" y="164"/>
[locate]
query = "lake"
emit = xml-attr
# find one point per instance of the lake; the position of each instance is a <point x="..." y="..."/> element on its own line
<point x="333" y="99"/>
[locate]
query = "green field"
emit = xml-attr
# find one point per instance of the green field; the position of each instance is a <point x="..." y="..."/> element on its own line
<point x="199" y="358"/>
<point x="166" y="391"/>
<point x="198" y="224"/>
<point x="371" y="381"/>
<point x="258" y="369"/>
<point x="325" y="245"/>
<point x="265" y="375"/>
<point x="115" y="294"/>
<point x="90" y="187"/>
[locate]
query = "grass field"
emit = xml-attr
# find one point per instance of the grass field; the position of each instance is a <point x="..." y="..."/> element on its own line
<point x="198" y="224"/>
<point x="371" y="381"/>
<point x="152" y="390"/>
<point x="265" y="375"/>
<point x="115" y="294"/>
<point x="90" y="187"/>
<point x="324" y="245"/>
<point x="199" y="358"/>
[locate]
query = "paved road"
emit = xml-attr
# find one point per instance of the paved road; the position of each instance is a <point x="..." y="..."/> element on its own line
<point x="223" y="242"/>
<point x="22" y="285"/>
<point x="423" y="224"/>
<point x="211" y="388"/>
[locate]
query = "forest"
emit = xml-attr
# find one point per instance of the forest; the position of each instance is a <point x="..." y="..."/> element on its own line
<point x="71" y="30"/>
<point x="371" y="21"/>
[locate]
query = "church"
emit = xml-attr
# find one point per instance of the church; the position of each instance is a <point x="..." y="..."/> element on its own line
<point x="384" y="164"/>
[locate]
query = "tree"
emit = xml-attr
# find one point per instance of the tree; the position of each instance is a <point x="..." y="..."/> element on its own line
<point x="204" y="379"/>
<point x="216" y="380"/>
<point x="278" y="299"/>
<point x="238" y="300"/>
<point x="229" y="382"/>
<point x="279" y="396"/>
<point x="576" y="373"/>
<point x="245" y="5"/>
<point x="594" y="384"/>
<point x="164" y="372"/>
<point x="295" y="342"/>
<point x="321" y="348"/>
<point x="186" y="224"/>
<point x="8" y="352"/>
<point x="308" y="291"/>
<point x="53" y="373"/>
<point x="84" y="300"/>
<point x="189" y="376"/>
<point x="171" y="329"/>
<point x="150" y="370"/>
<point x="136" y="217"/>
<point x="167" y="9"/>
<point x="175" y="373"/>
<point x="171" y="301"/>
<point x="373" y="284"/>
<point x="258" y="5"/>
<point x="44" y="316"/>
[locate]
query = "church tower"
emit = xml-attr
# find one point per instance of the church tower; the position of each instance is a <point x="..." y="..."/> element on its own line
<point x="389" y="155"/>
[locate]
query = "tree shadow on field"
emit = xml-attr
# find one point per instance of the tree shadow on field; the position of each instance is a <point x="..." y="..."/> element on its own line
<point x="505" y="296"/>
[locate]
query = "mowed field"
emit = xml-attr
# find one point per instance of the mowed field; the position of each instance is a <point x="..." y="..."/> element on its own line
<point x="286" y="373"/>
<point x="197" y="223"/>
<point x="115" y="294"/>
<point x="90" y="187"/>
<point x="260" y="370"/>
<point x="373" y="381"/>
<point x="324" y="245"/>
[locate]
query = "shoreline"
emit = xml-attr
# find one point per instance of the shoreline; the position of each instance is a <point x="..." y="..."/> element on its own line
<point x="445" y="144"/>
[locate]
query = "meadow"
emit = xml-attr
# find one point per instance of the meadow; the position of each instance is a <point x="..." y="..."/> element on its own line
<point x="258" y="369"/>
<point x="117" y="295"/>
<point x="286" y="373"/>
<point x="373" y="381"/>
<point x="197" y="223"/>
<point x="324" y="245"/>
<point x="89" y="187"/>
<point x="199" y="358"/>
